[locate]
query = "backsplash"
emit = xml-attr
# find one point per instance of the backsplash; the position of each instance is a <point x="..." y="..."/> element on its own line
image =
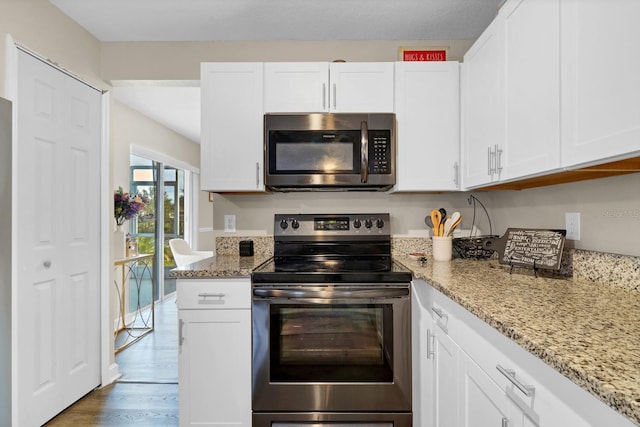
<point x="621" y="271"/>
<point x="230" y="245"/>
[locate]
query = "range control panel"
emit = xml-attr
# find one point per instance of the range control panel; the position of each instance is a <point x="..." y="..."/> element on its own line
<point x="332" y="224"/>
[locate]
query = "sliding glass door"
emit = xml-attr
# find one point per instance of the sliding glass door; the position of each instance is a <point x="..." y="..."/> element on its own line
<point x="164" y="218"/>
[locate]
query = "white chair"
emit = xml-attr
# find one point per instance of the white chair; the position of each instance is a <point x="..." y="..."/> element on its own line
<point x="183" y="254"/>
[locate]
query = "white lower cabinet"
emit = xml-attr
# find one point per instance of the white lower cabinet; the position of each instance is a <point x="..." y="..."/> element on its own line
<point x="458" y="383"/>
<point x="214" y="362"/>
<point x="482" y="402"/>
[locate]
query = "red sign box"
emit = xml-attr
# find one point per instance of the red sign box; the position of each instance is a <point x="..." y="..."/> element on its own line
<point x="424" y="55"/>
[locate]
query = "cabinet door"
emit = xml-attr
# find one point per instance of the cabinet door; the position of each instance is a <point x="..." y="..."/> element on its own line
<point x="231" y="144"/>
<point x="532" y="92"/>
<point x="296" y="87"/>
<point x="358" y="87"/>
<point x="446" y="380"/>
<point x="423" y="356"/>
<point x="427" y="112"/>
<point x="483" y="106"/>
<point x="600" y="84"/>
<point x="215" y="367"/>
<point x="482" y="402"/>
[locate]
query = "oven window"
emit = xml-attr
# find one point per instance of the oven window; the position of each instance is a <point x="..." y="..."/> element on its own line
<point x="337" y="343"/>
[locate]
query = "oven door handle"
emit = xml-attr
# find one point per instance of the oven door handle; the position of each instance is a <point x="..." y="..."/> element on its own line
<point x="333" y="294"/>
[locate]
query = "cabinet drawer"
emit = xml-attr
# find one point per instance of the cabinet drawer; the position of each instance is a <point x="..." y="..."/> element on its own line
<point x="214" y="294"/>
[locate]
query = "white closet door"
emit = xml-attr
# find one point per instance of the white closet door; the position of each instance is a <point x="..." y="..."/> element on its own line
<point x="58" y="232"/>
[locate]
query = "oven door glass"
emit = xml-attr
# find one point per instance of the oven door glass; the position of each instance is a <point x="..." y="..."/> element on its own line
<point x="331" y="343"/>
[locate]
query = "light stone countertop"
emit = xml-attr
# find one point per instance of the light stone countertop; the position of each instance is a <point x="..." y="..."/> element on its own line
<point x="588" y="331"/>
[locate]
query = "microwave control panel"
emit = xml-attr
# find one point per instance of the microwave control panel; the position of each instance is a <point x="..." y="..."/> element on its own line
<point x="379" y="152"/>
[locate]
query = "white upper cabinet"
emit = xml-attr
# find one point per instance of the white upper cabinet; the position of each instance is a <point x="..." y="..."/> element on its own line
<point x="313" y="87"/>
<point x="483" y="107"/>
<point x="532" y="88"/>
<point x="296" y="87"/>
<point x="231" y="153"/>
<point x="361" y="87"/>
<point x="428" y="126"/>
<point x="511" y="95"/>
<point x="600" y="80"/>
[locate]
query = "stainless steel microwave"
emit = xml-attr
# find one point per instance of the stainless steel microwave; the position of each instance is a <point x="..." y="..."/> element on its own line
<point x="330" y="151"/>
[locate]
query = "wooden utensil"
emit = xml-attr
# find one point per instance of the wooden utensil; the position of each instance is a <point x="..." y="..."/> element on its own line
<point x="451" y="223"/>
<point x="436" y="218"/>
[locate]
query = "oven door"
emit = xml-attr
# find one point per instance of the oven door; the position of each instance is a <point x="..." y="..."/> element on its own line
<point x="332" y="349"/>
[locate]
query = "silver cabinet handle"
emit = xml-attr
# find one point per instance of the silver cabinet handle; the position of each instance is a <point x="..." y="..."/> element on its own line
<point x="505" y="422"/>
<point x="324" y="96"/>
<point x="334" y="96"/>
<point x="47" y="264"/>
<point x="431" y="341"/>
<point x="498" y="160"/>
<point x="489" y="161"/>
<point x="180" y="335"/>
<point x="257" y="174"/>
<point x="441" y="314"/>
<point x="510" y="374"/>
<point x="205" y="295"/>
<point x="455" y="173"/>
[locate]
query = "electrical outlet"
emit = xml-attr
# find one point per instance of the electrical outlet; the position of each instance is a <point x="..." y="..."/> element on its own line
<point x="230" y="223"/>
<point x="572" y="224"/>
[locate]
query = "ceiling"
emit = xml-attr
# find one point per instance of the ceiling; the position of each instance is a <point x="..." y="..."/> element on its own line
<point x="246" y="20"/>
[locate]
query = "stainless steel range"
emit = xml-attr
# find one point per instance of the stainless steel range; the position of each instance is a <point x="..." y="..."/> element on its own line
<point x="331" y="325"/>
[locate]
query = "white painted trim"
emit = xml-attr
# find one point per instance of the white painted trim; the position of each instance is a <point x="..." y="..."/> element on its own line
<point x="106" y="332"/>
<point x="113" y="373"/>
<point x="162" y="157"/>
<point x="193" y="188"/>
<point x="11" y="91"/>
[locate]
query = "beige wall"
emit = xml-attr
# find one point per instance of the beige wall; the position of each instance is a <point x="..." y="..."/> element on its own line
<point x="42" y="28"/>
<point x="609" y="207"/>
<point x="181" y="60"/>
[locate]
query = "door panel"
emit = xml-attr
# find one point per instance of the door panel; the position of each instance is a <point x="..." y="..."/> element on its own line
<point x="58" y="292"/>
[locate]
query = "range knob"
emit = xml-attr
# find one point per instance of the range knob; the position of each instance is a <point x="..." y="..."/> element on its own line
<point x="368" y="223"/>
<point x="284" y="224"/>
<point x="357" y="223"/>
<point x="379" y="223"/>
<point x="295" y="224"/>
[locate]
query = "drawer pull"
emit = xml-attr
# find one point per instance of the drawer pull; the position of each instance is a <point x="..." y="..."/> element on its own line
<point x="510" y="374"/>
<point x="205" y="295"/>
<point x="505" y="422"/>
<point x="441" y="314"/>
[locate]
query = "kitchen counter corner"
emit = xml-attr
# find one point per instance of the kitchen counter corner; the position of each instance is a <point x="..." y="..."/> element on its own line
<point x="220" y="266"/>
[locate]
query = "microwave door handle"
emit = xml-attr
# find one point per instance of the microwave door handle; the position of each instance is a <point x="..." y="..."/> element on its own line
<point x="364" y="152"/>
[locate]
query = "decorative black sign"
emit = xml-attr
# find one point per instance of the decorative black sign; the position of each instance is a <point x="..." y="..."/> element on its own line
<point x="534" y="248"/>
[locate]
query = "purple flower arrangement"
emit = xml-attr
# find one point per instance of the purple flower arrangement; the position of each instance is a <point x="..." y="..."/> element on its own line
<point x="127" y="206"/>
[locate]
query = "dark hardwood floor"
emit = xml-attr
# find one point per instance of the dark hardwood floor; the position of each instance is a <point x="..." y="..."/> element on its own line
<point x="147" y="392"/>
